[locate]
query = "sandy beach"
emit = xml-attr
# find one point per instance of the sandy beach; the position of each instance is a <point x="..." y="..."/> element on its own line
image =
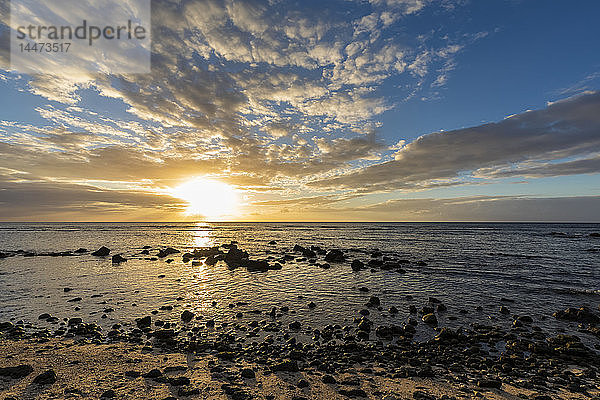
<point x="86" y="370"/>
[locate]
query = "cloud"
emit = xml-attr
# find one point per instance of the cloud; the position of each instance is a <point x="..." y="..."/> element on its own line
<point x="44" y="200"/>
<point x="485" y="208"/>
<point x="565" y="129"/>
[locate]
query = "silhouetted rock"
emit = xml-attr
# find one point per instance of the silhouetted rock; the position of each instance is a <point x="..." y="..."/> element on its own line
<point x="117" y="259"/>
<point x="335" y="256"/>
<point x="143" y="322"/>
<point x="430" y="319"/>
<point x="582" y="314"/>
<point x="187" y="316"/>
<point x="18" y="372"/>
<point x="102" y="252"/>
<point x="45" y="378"/>
<point x="167" y="252"/>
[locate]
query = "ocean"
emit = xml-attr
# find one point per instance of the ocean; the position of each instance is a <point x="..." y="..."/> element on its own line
<point x="533" y="269"/>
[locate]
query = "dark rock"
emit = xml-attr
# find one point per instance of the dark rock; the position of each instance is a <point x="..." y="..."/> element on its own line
<point x="81" y="250"/>
<point x="582" y="314"/>
<point x="248" y="373"/>
<point x="144" y="322"/>
<point x="44" y="316"/>
<point x="420" y="395"/>
<point x="504" y="310"/>
<point x="45" y="378"/>
<point x="101" y="252"/>
<point x="374" y="301"/>
<point x="364" y="324"/>
<point x="295" y="325"/>
<point x="167" y="252"/>
<point x="335" y="256"/>
<point x="489" y="383"/>
<point x="117" y="259"/>
<point x="352" y="392"/>
<point x="363" y="289"/>
<point x="109" y="394"/>
<point x="287" y="366"/>
<point x="430" y="319"/>
<point x="133" y="374"/>
<point x="328" y="379"/>
<point x="74" y="300"/>
<point x="187" y="392"/>
<point x="235" y="256"/>
<point x="164" y="334"/>
<point x="383" y="331"/>
<point x="254" y="265"/>
<point x="187" y="316"/>
<point x="357" y="265"/>
<point x="155" y="373"/>
<point x="74" y="321"/>
<point x="179" y="381"/>
<point x="393" y="310"/>
<point x="272" y="242"/>
<point x="302" y="383"/>
<point x="20" y="371"/>
<point x="312" y="305"/>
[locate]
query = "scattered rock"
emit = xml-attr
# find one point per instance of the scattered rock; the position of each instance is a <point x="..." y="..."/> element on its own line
<point x="335" y="256"/>
<point x="101" y="252"/>
<point x="374" y="301"/>
<point x="45" y="378"/>
<point x="430" y="319"/>
<point x="109" y="394"/>
<point x="287" y="366"/>
<point x="187" y="316"/>
<point x="357" y="265"/>
<point x="582" y="314"/>
<point x="18" y="372"/>
<point x="117" y="259"/>
<point x="248" y="373"/>
<point x="489" y="383"/>
<point x="144" y="322"/>
<point x="167" y="252"/>
<point x="295" y="325"/>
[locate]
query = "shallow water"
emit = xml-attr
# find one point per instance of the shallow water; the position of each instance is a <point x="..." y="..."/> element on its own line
<point x="467" y="265"/>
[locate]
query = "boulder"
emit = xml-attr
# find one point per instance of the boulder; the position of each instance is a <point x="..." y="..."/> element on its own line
<point x="187" y="316"/>
<point x="582" y="314"/>
<point x="335" y="256"/>
<point x="18" y="372"/>
<point x="144" y="322"/>
<point x="101" y="252"/>
<point x="117" y="259"/>
<point x="357" y="265"/>
<point x="374" y="302"/>
<point x="167" y="252"/>
<point x="45" y="378"/>
<point x="235" y="256"/>
<point x="430" y="319"/>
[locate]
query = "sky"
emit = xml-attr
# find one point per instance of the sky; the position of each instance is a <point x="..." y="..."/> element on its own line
<point x="349" y="110"/>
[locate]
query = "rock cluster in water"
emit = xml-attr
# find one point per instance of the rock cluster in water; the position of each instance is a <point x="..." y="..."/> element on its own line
<point x="482" y="355"/>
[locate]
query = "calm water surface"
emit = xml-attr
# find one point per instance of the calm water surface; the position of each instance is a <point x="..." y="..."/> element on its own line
<point x="467" y="265"/>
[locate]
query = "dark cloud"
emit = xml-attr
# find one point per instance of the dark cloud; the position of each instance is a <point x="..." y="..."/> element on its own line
<point x="47" y="201"/>
<point x="565" y="129"/>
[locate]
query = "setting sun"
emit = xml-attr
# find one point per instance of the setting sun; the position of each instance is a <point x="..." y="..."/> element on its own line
<point x="207" y="197"/>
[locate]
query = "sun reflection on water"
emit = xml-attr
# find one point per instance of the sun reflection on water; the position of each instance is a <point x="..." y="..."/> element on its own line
<point x="203" y="236"/>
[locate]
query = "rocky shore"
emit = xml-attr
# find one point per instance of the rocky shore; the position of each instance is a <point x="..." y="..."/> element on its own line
<point x="263" y="357"/>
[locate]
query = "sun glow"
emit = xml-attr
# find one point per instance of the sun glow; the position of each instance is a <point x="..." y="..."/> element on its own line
<point x="208" y="198"/>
